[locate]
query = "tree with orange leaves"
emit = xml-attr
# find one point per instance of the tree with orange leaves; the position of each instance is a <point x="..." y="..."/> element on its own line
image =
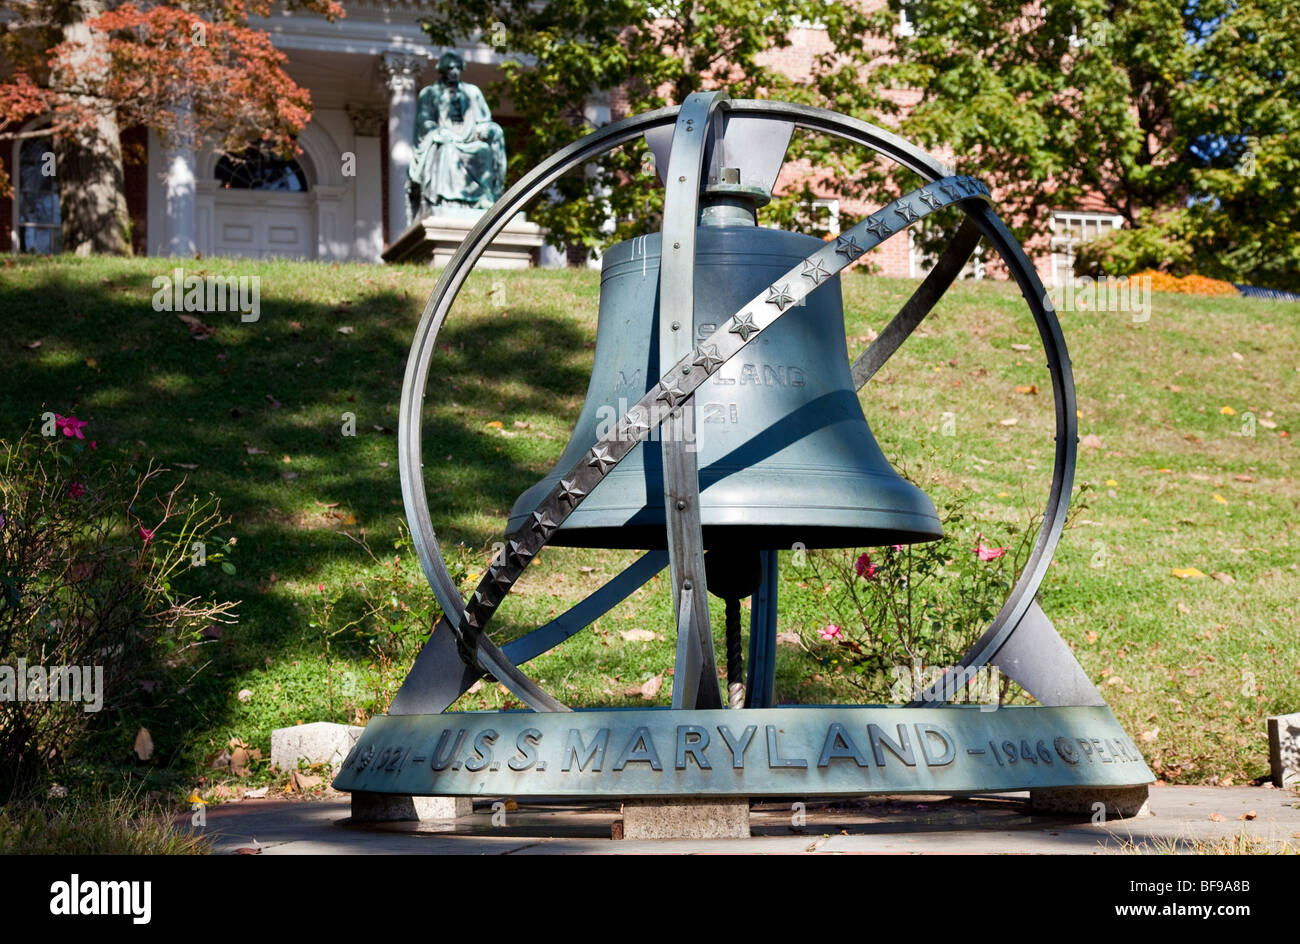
<point x="194" y="72"/>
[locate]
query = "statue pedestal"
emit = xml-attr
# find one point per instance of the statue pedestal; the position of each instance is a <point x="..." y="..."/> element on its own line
<point x="436" y="238"/>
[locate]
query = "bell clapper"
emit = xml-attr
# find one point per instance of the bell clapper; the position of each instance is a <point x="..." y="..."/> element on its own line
<point x="733" y="574"/>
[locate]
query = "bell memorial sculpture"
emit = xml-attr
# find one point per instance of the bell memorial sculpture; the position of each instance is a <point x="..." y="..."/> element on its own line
<point x="460" y="157"/>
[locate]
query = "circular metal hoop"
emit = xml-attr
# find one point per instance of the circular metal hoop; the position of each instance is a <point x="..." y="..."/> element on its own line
<point x="815" y="119"/>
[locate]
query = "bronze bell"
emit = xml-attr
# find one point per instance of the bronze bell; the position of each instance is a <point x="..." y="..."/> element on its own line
<point x="785" y="454"/>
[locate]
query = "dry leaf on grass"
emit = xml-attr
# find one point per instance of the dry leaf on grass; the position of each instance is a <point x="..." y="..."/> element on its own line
<point x="143" y="744"/>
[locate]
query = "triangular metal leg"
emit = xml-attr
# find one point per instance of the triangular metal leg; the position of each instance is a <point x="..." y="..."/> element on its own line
<point x="1037" y="659"/>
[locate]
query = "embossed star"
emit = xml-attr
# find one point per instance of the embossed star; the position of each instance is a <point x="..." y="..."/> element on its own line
<point x="815" y="269"/>
<point x="848" y="247"/>
<point x="906" y="212"/>
<point x="471" y="619"/>
<point x="950" y="191"/>
<point x="569" y="492"/>
<point x="877" y="227"/>
<point x="670" y="393"/>
<point x="542" y="523"/>
<point x="929" y="199"/>
<point x="601" y="459"/>
<point x="634" y="424"/>
<point x="779" y="295"/>
<point x="744" y="326"/>
<point x="706" y="356"/>
<point x="501" y="577"/>
<point x="518" y="552"/>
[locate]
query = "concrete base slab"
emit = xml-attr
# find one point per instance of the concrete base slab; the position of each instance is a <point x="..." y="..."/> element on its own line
<point x="685" y="818"/>
<point x="1284" y="749"/>
<point x="1104" y="802"/>
<point x="435" y="240"/>
<point x="391" y="808"/>
<point x="317" y="743"/>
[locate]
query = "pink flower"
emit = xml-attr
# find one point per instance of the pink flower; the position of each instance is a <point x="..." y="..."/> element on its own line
<point x="93" y="446"/>
<point x="831" y="631"/>
<point x="320" y="587"/>
<point x="70" y="425"/>
<point x="865" y="568"/>
<point x="987" y="553"/>
<point x="897" y="547"/>
<point x="76" y="489"/>
<point x="146" y="534"/>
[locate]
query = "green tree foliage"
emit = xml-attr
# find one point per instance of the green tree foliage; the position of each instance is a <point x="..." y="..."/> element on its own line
<point x="562" y="54"/>
<point x="1182" y="106"/>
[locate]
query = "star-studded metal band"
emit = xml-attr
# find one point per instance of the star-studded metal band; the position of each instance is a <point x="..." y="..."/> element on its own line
<point x="677" y="385"/>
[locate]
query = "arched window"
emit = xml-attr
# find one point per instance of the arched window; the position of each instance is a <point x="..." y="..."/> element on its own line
<point x="255" y="169"/>
<point x="39" y="224"/>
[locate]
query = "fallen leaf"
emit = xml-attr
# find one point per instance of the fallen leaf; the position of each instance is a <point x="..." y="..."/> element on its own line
<point x="1220" y="499"/>
<point x="651" y="688"/>
<point x="475" y="688"/>
<point x="245" y="694"/>
<point x="254" y="451"/>
<point x="1146" y="737"/>
<point x="1011" y="422"/>
<point x="1227" y="411"/>
<point x="494" y="424"/>
<point x="637" y="635"/>
<point x="186" y="465"/>
<point x="1183" y="573"/>
<point x="789" y="639"/>
<point x="346" y="329"/>
<point x="257" y="794"/>
<point x="34" y="345"/>
<point x="247" y="850"/>
<point x="303" y="782"/>
<point x="275" y="404"/>
<point x="92" y="363"/>
<point x="1020" y="347"/>
<point x="1092" y="441"/>
<point x="1244" y="478"/>
<point x="1030" y="389"/>
<point x="1248" y="815"/>
<point x="1184" y="608"/>
<point x="1237" y="357"/>
<point x="1217" y="817"/>
<point x="1111" y="482"/>
<point x="1114" y="680"/>
<point x="143" y="744"/>
<point x="197" y="328"/>
<point x="1090" y="636"/>
<point x="295" y="325"/>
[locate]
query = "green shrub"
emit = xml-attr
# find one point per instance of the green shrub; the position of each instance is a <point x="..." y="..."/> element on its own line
<point x="93" y="556"/>
<point x="902" y="613"/>
<point x="1162" y="244"/>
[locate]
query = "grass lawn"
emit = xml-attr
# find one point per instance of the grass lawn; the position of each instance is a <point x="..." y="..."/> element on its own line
<point x="1185" y="417"/>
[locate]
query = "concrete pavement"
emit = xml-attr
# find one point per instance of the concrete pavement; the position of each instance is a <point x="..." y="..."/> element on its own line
<point x="1184" y="819"/>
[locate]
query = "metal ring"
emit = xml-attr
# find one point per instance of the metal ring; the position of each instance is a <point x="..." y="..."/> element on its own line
<point x="850" y="129"/>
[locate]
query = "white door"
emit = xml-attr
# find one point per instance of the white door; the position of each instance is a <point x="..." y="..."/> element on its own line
<point x="263" y="223"/>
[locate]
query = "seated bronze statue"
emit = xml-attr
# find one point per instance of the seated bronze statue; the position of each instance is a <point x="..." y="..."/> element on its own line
<point x="460" y="156"/>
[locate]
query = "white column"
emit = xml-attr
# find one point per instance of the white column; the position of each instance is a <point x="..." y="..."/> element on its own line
<point x="179" y="190"/>
<point x="367" y="184"/>
<point x="401" y="73"/>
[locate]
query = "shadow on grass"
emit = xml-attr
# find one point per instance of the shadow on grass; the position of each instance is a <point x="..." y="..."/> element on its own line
<point x="259" y="411"/>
